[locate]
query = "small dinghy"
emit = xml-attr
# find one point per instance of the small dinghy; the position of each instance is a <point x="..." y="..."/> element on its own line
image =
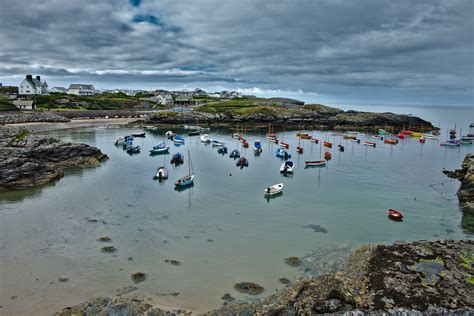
<point x="314" y="140"/>
<point x="234" y="154"/>
<point x="281" y="153"/>
<point x="390" y="141"/>
<point x="127" y="144"/>
<point x="450" y="144"/>
<point x="341" y="148"/>
<point x="274" y="189"/>
<point x="139" y="135"/>
<point x="287" y="167"/>
<point x="245" y="143"/>
<point x="161" y="148"/>
<point x="284" y="145"/>
<point x="222" y="150"/>
<point x="327" y="144"/>
<point x="178" y="140"/>
<point x="401" y="135"/>
<point x="315" y="163"/>
<point x="206" y="139"/>
<point x="161" y="174"/>
<point x="169" y="134"/>
<point x="257" y="147"/>
<point x="194" y="133"/>
<point x="366" y="143"/>
<point x="242" y="162"/>
<point x="236" y="136"/>
<point x="377" y="137"/>
<point x="395" y="214"/>
<point x="133" y="149"/>
<point x="216" y="143"/>
<point x="327" y="155"/>
<point x="177" y="159"/>
<point x="118" y="141"/>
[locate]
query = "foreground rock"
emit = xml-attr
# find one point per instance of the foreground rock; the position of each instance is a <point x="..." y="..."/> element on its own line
<point x="466" y="190"/>
<point x="420" y="276"/>
<point x="30" y="117"/>
<point x="27" y="160"/>
<point x="305" y="116"/>
<point x="433" y="277"/>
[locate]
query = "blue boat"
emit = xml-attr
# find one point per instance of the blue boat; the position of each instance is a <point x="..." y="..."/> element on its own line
<point x="161" y="148"/>
<point x="177" y="159"/>
<point x="178" y="140"/>
<point x="257" y="147"/>
<point x="222" y="150"/>
<point x="281" y="153"/>
<point x="127" y="143"/>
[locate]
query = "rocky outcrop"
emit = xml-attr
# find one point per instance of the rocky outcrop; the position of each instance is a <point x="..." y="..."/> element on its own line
<point x="432" y="277"/>
<point x="420" y="276"/>
<point x="27" y="160"/>
<point x="466" y="190"/>
<point x="312" y="115"/>
<point x="30" y="117"/>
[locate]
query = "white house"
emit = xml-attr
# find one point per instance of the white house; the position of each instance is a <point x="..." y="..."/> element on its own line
<point x="25" y="104"/>
<point x="32" y="86"/>
<point x="81" y="89"/>
<point x="58" y="90"/>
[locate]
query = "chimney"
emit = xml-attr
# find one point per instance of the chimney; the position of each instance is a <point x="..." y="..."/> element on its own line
<point x="29" y="77"/>
<point x="38" y="77"/>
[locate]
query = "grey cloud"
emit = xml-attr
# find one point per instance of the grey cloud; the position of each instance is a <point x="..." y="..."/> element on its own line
<point x="339" y="48"/>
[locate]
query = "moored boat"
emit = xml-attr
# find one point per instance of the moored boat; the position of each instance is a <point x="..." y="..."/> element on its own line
<point x="216" y="143"/>
<point x="416" y="134"/>
<point x="367" y="143"/>
<point x="188" y="179"/>
<point x="281" y="153"/>
<point x="133" y="149"/>
<point x="449" y="144"/>
<point x="161" y="148"/>
<point x="161" y="173"/>
<point x="178" y="140"/>
<point x="242" y="162"/>
<point x="287" y="167"/>
<point x="139" y="135"/>
<point x="340" y="147"/>
<point x="401" y="135"/>
<point x="327" y="155"/>
<point x="177" y="159"/>
<point x="395" y="214"/>
<point x="284" y="145"/>
<point x="314" y="140"/>
<point x="327" y="144"/>
<point x="349" y="137"/>
<point x="169" y="134"/>
<point x="222" y="150"/>
<point x="234" y="154"/>
<point x="274" y="189"/>
<point x="390" y="141"/>
<point x="257" y="147"/>
<point x="119" y="141"/>
<point x="377" y="137"/>
<point x="206" y="139"/>
<point x="315" y="163"/>
<point x="194" y="133"/>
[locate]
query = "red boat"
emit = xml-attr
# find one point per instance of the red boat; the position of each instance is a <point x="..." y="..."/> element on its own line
<point x="395" y="214"/>
<point x="245" y="143"/>
<point x="315" y="163"/>
<point x="314" y="140"/>
<point x="273" y="140"/>
<point x="422" y="140"/>
<point x="406" y="132"/>
<point x="305" y="136"/>
<point x="401" y="135"/>
<point x="328" y="144"/>
<point x="367" y="143"/>
<point x="284" y="145"/>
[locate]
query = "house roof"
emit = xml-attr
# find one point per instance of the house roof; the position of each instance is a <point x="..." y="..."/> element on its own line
<point x="37" y="83"/>
<point x="81" y="86"/>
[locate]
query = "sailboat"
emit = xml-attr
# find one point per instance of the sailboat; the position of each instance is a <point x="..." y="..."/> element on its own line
<point x="470" y="135"/>
<point x="316" y="163"/>
<point x="189" y="179"/>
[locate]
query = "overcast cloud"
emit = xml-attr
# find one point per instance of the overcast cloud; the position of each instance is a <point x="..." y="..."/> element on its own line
<point x="320" y="50"/>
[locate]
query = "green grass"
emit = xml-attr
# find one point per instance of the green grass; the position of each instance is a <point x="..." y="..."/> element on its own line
<point x="21" y="136"/>
<point x="469" y="280"/>
<point x="6" y="105"/>
<point x="466" y="260"/>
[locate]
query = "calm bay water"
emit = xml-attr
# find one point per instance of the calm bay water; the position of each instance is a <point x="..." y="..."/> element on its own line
<point x="222" y="230"/>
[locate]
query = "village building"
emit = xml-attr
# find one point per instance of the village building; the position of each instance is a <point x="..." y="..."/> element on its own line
<point x="25" y="104"/>
<point x="58" y="90"/>
<point x="32" y="86"/>
<point x="81" y="89"/>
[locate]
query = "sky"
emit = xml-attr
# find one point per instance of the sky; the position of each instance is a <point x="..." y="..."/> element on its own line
<point x="324" y="51"/>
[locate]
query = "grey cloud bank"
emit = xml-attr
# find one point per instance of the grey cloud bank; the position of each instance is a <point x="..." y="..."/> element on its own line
<point x="417" y="52"/>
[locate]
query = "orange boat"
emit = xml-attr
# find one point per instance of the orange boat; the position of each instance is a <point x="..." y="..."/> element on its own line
<point x="245" y="143"/>
<point x="390" y="141"/>
<point x="284" y="145"/>
<point x="327" y="155"/>
<point x="395" y="214"/>
<point x="299" y="134"/>
<point x="328" y="144"/>
<point x="305" y="136"/>
<point x="349" y="137"/>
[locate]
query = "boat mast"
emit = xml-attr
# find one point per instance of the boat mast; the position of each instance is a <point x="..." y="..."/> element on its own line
<point x="190" y="164"/>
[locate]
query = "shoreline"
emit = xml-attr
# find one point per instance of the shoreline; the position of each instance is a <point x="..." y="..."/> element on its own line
<point x="76" y="123"/>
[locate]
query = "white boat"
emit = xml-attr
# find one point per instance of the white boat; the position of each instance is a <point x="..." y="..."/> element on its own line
<point x="161" y="173"/>
<point x="430" y="136"/>
<point x="169" y="134"/>
<point x="274" y="189"/>
<point x="287" y="167"/>
<point x="119" y="140"/>
<point x="206" y="139"/>
<point x="216" y="143"/>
